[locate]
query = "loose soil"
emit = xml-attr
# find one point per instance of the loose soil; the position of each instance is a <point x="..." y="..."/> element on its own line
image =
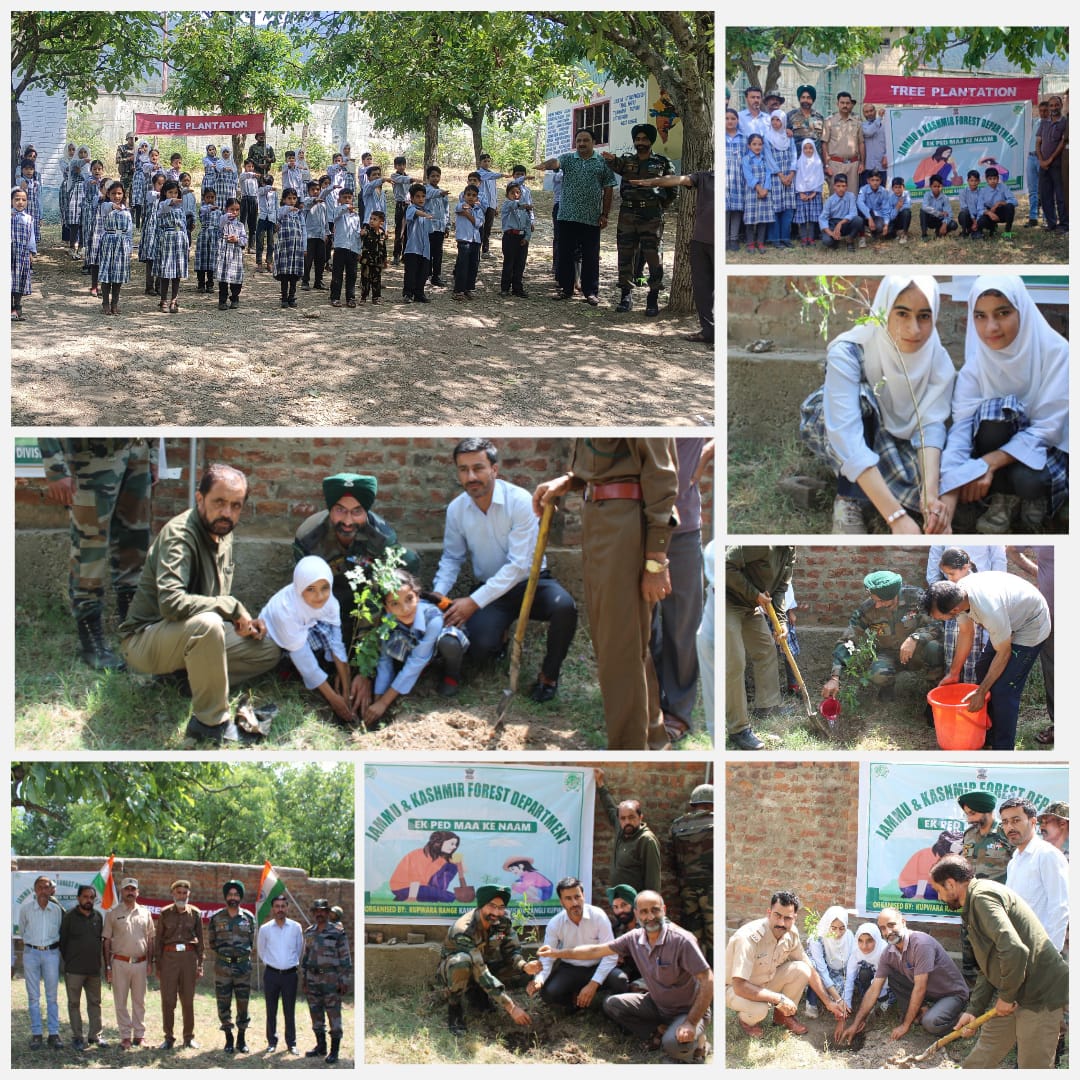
<point x="531" y="362"/>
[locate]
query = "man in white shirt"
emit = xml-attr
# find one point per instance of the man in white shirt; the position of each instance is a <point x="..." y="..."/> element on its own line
<point x="281" y="944"/>
<point x="1037" y="871"/>
<point x="493" y="523"/>
<point x="39" y="926"/>
<point x="574" y="983"/>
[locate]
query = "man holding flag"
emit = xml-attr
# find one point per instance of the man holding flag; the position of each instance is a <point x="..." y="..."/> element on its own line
<point x="281" y="945"/>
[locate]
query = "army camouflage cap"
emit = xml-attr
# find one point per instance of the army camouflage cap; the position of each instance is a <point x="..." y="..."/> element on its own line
<point x="486" y="893"/>
<point x="884" y="584"/>
<point x="237" y="885"/>
<point x="320" y="905"/>
<point x="621" y="892"/>
<point x="648" y="129"/>
<point x="981" y="802"/>
<point x="703" y="793"/>
<point x="1056" y="809"/>
<point x="362" y="488"/>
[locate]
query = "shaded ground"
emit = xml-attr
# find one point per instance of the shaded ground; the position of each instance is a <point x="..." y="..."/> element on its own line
<point x="209" y="1055"/>
<point x="62" y="705"/>
<point x="531" y="362"/>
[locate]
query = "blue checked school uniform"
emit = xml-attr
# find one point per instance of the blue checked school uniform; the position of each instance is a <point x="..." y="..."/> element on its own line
<point x="33" y="202"/>
<point x="409" y="649"/>
<point x="114" y="254"/>
<point x="230" y="257"/>
<point x="148" y="239"/>
<point x="104" y="209"/>
<point x="808" y="210"/>
<point x="171" y="257"/>
<point x="289" y="243"/>
<point x="210" y="168"/>
<point x="91" y="202"/>
<point x="781" y="197"/>
<point x="207" y="242"/>
<point x="73" y="204"/>
<point x="417" y="232"/>
<point x="138" y="183"/>
<point x="734" y="184"/>
<point x="879" y="204"/>
<point x="225" y="183"/>
<point x="756" y="171"/>
<point x="23" y="245"/>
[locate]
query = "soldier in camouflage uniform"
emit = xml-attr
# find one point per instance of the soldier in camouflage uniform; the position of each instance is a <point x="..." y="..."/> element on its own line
<point x="481" y="957"/>
<point x="106" y="485"/>
<point x="692" y="841"/>
<point x="325" y="974"/>
<point x="988" y="851"/>
<point x="641" y="214"/>
<point x="232" y="937"/>
<point x="905" y="636"/>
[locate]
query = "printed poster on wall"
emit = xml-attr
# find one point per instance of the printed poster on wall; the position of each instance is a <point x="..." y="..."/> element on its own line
<point x="947" y="142"/>
<point x="434" y="833"/>
<point x="909" y="818"/>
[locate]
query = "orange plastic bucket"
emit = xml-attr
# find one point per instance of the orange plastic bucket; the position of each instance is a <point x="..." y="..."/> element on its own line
<point x="957" y="728"/>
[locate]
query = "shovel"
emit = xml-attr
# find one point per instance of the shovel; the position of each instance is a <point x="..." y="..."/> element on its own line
<point x="909" y="1059"/>
<point x="523" y="616"/>
<point x="810" y="710"/>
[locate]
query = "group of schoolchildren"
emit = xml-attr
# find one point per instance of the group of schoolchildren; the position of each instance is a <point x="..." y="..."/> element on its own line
<point x="337" y="221"/>
<point x="771" y="185"/>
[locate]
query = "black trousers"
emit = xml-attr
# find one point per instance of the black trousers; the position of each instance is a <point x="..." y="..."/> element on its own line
<point x="574" y="235"/>
<point x="566" y="980"/>
<point x="280" y="986"/>
<point x="1052" y="196"/>
<point x="344" y="266"/>
<point x="436" y="240"/>
<point x="930" y="224"/>
<point x="417" y="269"/>
<point x="315" y="255"/>
<point x="249" y="215"/>
<point x="485" y="232"/>
<point x="399" y="229"/>
<point x="702" y="262"/>
<point x="466" y="267"/>
<point x="1005" y="215"/>
<point x="515" y="252"/>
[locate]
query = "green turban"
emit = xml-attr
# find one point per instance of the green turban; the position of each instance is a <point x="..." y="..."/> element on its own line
<point x="361" y="488"/>
<point x="806" y="89"/>
<point x="486" y="893"/>
<point x="622" y="892"/>
<point x="237" y="885"/>
<point x="982" y="802"/>
<point x="884" y="584"/>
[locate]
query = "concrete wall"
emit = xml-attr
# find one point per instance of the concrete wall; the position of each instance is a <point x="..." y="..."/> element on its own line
<point x="44" y="124"/>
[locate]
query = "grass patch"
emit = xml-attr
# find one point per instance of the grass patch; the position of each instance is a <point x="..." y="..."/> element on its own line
<point x="207" y="1034"/>
<point x="755" y="503"/>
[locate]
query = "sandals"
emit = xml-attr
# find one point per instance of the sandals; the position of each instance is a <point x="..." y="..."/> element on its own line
<point x="677" y="728"/>
<point x="1046" y="736"/>
<point x="174" y="307"/>
<point x="162" y="306"/>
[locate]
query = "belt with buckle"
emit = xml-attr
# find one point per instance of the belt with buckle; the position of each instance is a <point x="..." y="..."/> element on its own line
<point x="281" y="971"/>
<point x="181" y="946"/>
<point x="843" y="160"/>
<point x="42" y="948"/>
<point x="617" y="489"/>
<point x="129" y="959"/>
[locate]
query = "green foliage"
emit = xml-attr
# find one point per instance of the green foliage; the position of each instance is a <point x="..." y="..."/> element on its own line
<point x="811" y="918"/>
<point x="83" y="129"/>
<point x="818" y="304"/>
<point x="1021" y="45"/>
<point x="846" y="46"/>
<point x="524" y="921"/>
<point x="370" y="584"/>
<point x="856" y="674"/>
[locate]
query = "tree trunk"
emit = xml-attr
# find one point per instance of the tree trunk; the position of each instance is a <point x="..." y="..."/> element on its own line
<point x="431" y="136"/>
<point x="698" y="149"/>
<point x="16" y="139"/>
<point x="476" y="126"/>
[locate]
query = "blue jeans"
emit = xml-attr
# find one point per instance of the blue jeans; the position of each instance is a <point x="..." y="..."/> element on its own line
<point x="1031" y="181"/>
<point x="1004" y="704"/>
<point x="38" y="965"/>
<point x="780" y="227"/>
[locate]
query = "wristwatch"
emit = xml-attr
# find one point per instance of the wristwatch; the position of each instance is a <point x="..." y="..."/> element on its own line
<point x="654" y="567"/>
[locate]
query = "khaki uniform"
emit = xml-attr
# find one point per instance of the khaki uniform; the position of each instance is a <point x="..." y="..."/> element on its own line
<point x="755" y="955"/>
<point x="179" y="948"/>
<point x="130" y="935"/>
<point x="845" y="142"/>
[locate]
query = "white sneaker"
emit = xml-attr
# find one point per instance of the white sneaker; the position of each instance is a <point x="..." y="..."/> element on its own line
<point x="999" y="517"/>
<point x="812" y="1012"/>
<point x="862" y="241"/>
<point x="902" y="238"/>
<point x="847" y="517"/>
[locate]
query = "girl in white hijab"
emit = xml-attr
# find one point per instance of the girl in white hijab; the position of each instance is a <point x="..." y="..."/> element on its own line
<point x="866" y="954"/>
<point x="863" y="422"/>
<point x="1009" y="440"/>
<point x="809" y="180"/>
<point x="780" y="155"/>
<point x="304" y="618"/>
<point x="830" y="947"/>
<point x="67" y="235"/>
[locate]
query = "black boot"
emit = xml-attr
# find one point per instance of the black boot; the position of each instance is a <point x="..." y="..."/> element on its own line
<point x="652" y="302"/>
<point x="626" y="302"/>
<point x="335" y="1046"/>
<point x="319" y="1049"/>
<point x="94" y="650"/>
<point x="228" y="1042"/>
<point x="241" y="1042"/>
<point x="123" y="602"/>
<point x="456" y="1020"/>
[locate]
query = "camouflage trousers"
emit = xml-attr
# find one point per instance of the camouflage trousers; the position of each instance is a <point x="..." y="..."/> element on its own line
<point x="324" y="1003"/>
<point x="635" y="233"/>
<point x="110" y="523"/>
<point x="232" y="980"/>
<point x="457" y="972"/>
<point x="928" y="658"/>
<point x="697" y="916"/>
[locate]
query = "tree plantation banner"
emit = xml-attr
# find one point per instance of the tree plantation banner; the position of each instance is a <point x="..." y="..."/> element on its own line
<point x="931" y="90"/>
<point x="434" y="833"/>
<point x="947" y="142"/>
<point x="199" y="126"/>
<point x="909" y="818"/>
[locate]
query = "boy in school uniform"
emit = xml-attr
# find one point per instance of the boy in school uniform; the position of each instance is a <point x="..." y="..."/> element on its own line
<point x="268" y="204"/>
<point x="417" y="246"/>
<point x="468" y="223"/>
<point x="901" y="209"/>
<point x="489" y="196"/>
<point x="291" y="175"/>
<point x="935" y="211"/>
<point x="402" y="181"/>
<point x="372" y="257"/>
<point x="346" y="225"/>
<point x="998" y="205"/>
<point x="436" y="204"/>
<point x="875" y="205"/>
<point x="374" y="199"/>
<point x="176" y="164"/>
<point x="516" y="234"/>
<point x="315" y="224"/>
<point x="248" y="189"/>
<point x="840" y="218"/>
<point x="970" y="206"/>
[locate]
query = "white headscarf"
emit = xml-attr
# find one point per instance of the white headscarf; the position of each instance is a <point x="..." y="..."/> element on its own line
<point x="809" y="172"/>
<point x="288" y="617"/>
<point x="837" y="950"/>
<point x="778" y="140"/>
<point x="1034" y="368"/>
<point x="879" y="945"/>
<point x="930" y="370"/>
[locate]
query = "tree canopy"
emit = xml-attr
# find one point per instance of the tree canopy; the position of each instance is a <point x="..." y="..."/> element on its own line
<point x="293" y="815"/>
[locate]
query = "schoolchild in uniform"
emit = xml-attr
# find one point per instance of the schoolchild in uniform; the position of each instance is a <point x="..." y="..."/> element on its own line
<point x="757" y="203"/>
<point x="346" y="224"/>
<point x="516" y="234"/>
<point x="171" y="258"/>
<point x="229" y="269"/>
<point x="248" y="189"/>
<point x="782" y="158"/>
<point x="998" y="206"/>
<point x="114" y="252"/>
<point x="289" y="246"/>
<point x="970" y="206"/>
<point x="207" y="244"/>
<point x="148" y="235"/>
<point x="809" y="179"/>
<point x="417" y="247"/>
<point x="101" y="211"/>
<point x="468" y="224"/>
<point x="88" y="214"/>
<point x="901" y="209"/>
<point x="402" y="182"/>
<point x="268" y="208"/>
<point x="315" y="228"/>
<point x="374" y="199"/>
<point x="436" y="204"/>
<point x="227" y="178"/>
<point x="190" y="206"/>
<point x="23" y="246"/>
<point x="875" y="205"/>
<point x="28" y="179"/>
<point x="140" y="181"/>
<point x="735" y="185"/>
<point x="935" y="212"/>
<point x="65" y="190"/>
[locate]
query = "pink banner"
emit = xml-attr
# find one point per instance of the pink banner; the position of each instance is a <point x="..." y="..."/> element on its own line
<point x="920" y="90"/>
<point x="199" y="126"/>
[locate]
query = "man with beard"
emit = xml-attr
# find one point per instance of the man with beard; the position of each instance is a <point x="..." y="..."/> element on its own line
<point x="767" y="966"/>
<point x="636" y="857"/>
<point x="673" y="1012"/>
<point x="988" y="849"/>
<point x="806" y="122"/>
<point x="1054" y="826"/>
<point x="326" y="974"/>
<point x="1016" y="959"/>
<point x="80" y="949"/>
<point x="928" y="985"/>
<point x="623" y="920"/>
<point x="480" y="958"/>
<point x="348" y="534"/>
<point x="231" y="936"/>
<point x="178" y="946"/>
<point x="1037" y="872"/>
<point x="183" y="616"/>
<point x="492" y="523"/>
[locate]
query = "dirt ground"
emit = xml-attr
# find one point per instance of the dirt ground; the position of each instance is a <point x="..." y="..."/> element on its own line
<point x="531" y="362"/>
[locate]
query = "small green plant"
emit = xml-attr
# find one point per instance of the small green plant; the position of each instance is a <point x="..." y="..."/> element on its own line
<point x="856" y="676"/>
<point x="523" y="919"/>
<point x="811" y="918"/>
<point x="370" y="583"/>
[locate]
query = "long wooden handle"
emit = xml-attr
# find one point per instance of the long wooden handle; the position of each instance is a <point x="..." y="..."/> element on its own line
<point x="771" y="612"/>
<point x="530" y="593"/>
<point x="959" y="1034"/>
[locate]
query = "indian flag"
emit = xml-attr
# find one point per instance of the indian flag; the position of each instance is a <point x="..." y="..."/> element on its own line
<point x="269" y="889"/>
<point x="103" y="882"/>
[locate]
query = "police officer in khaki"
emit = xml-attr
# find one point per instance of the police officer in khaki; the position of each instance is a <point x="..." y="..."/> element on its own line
<point x="178" y="946"/>
<point x="842" y="140"/>
<point x="766" y="967"/>
<point x="987" y="849"/>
